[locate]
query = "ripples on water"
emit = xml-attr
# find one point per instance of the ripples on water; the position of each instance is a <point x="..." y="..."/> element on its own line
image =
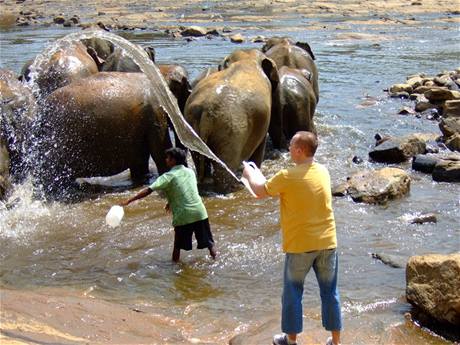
<point x="69" y="245"/>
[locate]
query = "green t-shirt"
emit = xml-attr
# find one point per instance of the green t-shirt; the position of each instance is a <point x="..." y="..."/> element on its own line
<point x="180" y="187"/>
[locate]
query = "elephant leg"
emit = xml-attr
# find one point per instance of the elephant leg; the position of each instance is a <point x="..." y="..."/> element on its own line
<point x="223" y="181"/>
<point x="275" y="129"/>
<point x="258" y="155"/>
<point x="140" y="169"/>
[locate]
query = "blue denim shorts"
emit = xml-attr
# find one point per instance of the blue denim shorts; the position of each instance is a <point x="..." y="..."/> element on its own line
<point x="296" y="267"/>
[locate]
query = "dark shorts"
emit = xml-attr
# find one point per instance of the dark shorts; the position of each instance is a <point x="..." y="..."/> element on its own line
<point x="202" y="230"/>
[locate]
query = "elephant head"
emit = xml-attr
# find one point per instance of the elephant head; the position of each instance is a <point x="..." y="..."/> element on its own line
<point x="230" y="110"/>
<point x="100" y="126"/>
<point x="297" y="94"/>
<point x="284" y="52"/>
<point x="69" y="63"/>
<point x="17" y="115"/>
<point x="119" y="61"/>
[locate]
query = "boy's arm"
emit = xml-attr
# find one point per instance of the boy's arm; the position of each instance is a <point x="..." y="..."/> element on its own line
<point x="142" y="194"/>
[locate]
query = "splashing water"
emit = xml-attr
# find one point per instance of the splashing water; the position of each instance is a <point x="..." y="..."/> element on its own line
<point x="184" y="131"/>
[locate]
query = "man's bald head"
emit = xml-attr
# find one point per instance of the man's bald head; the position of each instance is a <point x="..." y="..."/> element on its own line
<point x="306" y="141"/>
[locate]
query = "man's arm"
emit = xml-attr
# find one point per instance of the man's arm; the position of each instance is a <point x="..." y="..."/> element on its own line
<point x="256" y="180"/>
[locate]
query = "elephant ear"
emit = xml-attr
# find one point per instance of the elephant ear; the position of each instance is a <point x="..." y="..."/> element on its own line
<point x="270" y="70"/>
<point x="306" y="47"/>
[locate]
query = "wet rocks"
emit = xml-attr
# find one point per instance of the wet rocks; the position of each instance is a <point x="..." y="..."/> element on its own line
<point x="193" y="31"/>
<point x="237" y="38"/>
<point x="397" y="150"/>
<point x="432" y="287"/>
<point x="424" y="218"/>
<point x="375" y="187"/>
<point x="443" y="167"/>
<point x="429" y="92"/>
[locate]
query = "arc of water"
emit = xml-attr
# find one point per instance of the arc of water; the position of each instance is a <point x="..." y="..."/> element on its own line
<point x="166" y="99"/>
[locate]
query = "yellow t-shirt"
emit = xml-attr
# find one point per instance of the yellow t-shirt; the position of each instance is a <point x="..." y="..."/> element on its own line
<point x="307" y="219"/>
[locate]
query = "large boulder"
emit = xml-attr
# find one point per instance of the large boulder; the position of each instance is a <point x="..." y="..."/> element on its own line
<point x="451" y="108"/>
<point x="375" y="187"/>
<point x="433" y="287"/>
<point x="449" y="126"/>
<point x="447" y="171"/>
<point x="397" y="150"/>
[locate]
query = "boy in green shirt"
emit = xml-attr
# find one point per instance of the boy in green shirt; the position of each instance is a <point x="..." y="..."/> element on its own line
<point x="189" y="213"/>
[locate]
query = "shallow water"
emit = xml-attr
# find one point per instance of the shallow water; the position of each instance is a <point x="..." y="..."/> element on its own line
<point x="68" y="245"/>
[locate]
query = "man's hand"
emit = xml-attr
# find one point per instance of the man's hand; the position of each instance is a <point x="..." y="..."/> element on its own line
<point x="255" y="178"/>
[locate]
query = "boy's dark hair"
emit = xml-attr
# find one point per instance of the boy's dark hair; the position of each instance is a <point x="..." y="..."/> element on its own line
<point x="179" y="155"/>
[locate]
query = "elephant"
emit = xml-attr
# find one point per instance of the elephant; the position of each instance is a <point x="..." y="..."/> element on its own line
<point x="230" y="111"/>
<point x="100" y="126"/>
<point x="67" y="64"/>
<point x="294" y="106"/>
<point x="17" y="115"/>
<point x="118" y="61"/>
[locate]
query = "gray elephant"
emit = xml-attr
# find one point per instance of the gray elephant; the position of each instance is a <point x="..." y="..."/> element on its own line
<point x="67" y="64"/>
<point x="294" y="103"/>
<point x="17" y="114"/>
<point x="100" y="126"/>
<point x="230" y="110"/>
<point x="297" y="95"/>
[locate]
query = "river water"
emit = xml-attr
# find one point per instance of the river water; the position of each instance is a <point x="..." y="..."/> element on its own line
<point x="69" y="245"/>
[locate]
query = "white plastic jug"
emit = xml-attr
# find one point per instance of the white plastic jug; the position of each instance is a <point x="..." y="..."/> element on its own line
<point x="114" y="216"/>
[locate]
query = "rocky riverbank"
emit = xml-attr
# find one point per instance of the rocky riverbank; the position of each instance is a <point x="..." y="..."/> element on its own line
<point x="164" y="15"/>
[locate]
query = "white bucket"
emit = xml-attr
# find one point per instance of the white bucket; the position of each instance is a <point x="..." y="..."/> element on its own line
<point x="114" y="216"/>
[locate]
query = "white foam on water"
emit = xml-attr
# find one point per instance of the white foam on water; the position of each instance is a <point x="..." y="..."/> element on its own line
<point x="20" y="213"/>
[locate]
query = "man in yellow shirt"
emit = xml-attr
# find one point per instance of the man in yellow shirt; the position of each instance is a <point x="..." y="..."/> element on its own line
<point x="308" y="236"/>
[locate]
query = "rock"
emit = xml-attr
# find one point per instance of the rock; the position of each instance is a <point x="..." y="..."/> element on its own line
<point x="212" y="32"/>
<point x="357" y="160"/>
<point x="401" y="94"/>
<point x="194" y="31"/>
<point x="415" y="82"/>
<point x="422" y="106"/>
<point x="422" y="89"/>
<point x="447" y="171"/>
<point x="378" y="187"/>
<point x="449" y="126"/>
<point x="425" y="163"/>
<point x="432" y="286"/>
<point x="390" y="260"/>
<point x="340" y="190"/>
<point x="227" y="29"/>
<point x="399" y="150"/>
<point x="453" y="142"/>
<point x="406" y="111"/>
<point x="436" y="95"/>
<point x="451" y="108"/>
<point x="7" y="19"/>
<point x="59" y="20"/>
<point x="259" y="39"/>
<point x="424" y="218"/>
<point x="238" y="38"/>
<point x="396" y="88"/>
